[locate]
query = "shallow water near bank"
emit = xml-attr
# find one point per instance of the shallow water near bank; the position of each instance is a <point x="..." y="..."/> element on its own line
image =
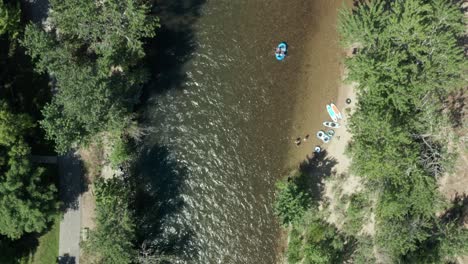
<point x="223" y="113"/>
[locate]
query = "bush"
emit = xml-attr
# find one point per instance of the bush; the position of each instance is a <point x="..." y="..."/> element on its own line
<point x="356" y="213"/>
<point x="121" y="152"/>
<point x="291" y="203"/>
<point x="364" y="251"/>
<point x="314" y="241"/>
<point x="112" y="239"/>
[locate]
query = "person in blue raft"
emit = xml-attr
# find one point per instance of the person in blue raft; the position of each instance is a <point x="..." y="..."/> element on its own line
<point x="281" y="51"/>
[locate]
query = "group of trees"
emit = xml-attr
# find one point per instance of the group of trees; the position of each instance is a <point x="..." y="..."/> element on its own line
<point x="28" y="195"/>
<point x="92" y="50"/>
<point x="408" y="60"/>
<point x="311" y="238"/>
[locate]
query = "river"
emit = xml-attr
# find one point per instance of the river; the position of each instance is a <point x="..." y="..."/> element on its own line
<point x="220" y="110"/>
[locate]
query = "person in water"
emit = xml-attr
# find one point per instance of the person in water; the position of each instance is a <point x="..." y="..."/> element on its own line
<point x="279" y="51"/>
<point x="298" y="141"/>
<point x="306" y="137"/>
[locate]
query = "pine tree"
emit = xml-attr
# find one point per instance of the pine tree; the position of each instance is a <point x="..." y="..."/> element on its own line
<point x="27" y="202"/>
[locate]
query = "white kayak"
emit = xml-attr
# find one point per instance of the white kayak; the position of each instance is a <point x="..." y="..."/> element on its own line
<point x="331" y="124"/>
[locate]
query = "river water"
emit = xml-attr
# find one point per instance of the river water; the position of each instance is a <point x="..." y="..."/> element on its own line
<point x="220" y="108"/>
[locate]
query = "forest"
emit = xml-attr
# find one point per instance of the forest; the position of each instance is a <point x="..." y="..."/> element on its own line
<point x="67" y="83"/>
<point x="408" y="58"/>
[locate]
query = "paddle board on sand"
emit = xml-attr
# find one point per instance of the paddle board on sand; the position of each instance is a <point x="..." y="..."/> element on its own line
<point x="332" y="113"/>
<point x="337" y="112"/>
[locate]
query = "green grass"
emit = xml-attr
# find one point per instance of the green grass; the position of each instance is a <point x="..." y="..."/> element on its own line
<point x="32" y="249"/>
<point x="47" y="250"/>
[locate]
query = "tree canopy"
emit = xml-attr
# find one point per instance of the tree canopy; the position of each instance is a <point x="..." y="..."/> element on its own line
<point x="291" y="203"/>
<point x="27" y="201"/>
<point x="112" y="240"/>
<point x="91" y="50"/>
<point x="407" y="61"/>
<point x="10" y="16"/>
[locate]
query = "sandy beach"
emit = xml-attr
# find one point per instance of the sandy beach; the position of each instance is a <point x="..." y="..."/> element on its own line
<point x="321" y="82"/>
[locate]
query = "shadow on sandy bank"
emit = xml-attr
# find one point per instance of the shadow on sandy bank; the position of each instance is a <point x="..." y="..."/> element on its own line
<point x="458" y="210"/>
<point x="314" y="169"/>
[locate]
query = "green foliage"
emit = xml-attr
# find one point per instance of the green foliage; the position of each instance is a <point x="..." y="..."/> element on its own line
<point x="294" y="252"/>
<point x="112" y="239"/>
<point x="357" y="213"/>
<point x="48" y="245"/>
<point x="27" y="201"/>
<point x="364" y="251"/>
<point x="364" y="25"/>
<point x="291" y="203"/>
<point x="12" y="126"/>
<point x="10" y="16"/>
<point x="311" y="239"/>
<point x="448" y="242"/>
<point x="453" y="240"/>
<point x="93" y="53"/>
<point x="121" y="152"/>
<point x="408" y="60"/>
<point x="314" y="241"/>
<point x="61" y="128"/>
<point x="111" y="28"/>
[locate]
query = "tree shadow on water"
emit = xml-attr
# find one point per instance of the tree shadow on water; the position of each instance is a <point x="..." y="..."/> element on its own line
<point x="173" y="46"/>
<point x="314" y="169"/>
<point x="159" y="203"/>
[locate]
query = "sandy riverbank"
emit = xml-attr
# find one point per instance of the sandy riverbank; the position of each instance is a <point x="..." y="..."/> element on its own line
<point x="320" y="82"/>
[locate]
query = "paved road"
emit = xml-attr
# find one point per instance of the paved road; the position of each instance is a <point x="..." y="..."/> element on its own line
<point x="70" y="194"/>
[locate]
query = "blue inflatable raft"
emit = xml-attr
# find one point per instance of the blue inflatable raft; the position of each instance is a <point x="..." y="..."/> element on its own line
<point x="281" y="51"/>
